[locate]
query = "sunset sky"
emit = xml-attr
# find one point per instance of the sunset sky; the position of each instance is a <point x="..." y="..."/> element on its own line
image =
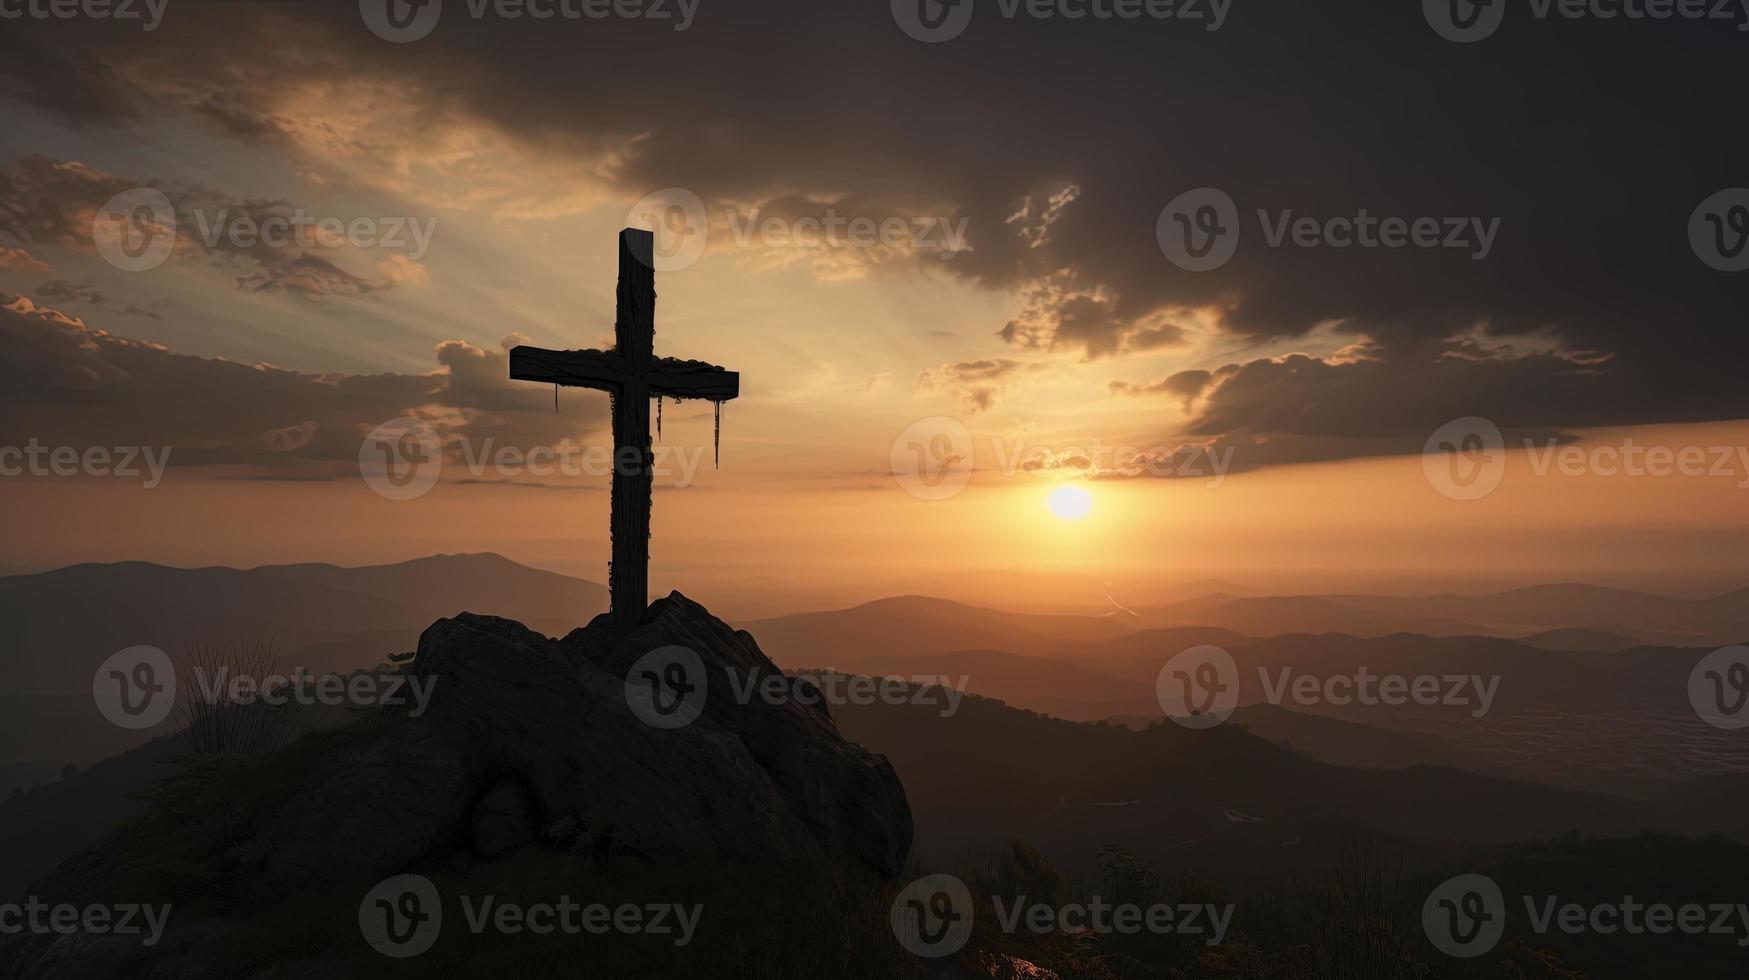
<point x="1058" y="331"/>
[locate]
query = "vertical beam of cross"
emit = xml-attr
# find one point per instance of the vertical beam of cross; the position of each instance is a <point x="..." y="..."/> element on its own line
<point x="634" y="333"/>
<point x="632" y="374"/>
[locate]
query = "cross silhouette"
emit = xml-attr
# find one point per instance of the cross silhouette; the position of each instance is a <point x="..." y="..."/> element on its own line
<point x="632" y="374"/>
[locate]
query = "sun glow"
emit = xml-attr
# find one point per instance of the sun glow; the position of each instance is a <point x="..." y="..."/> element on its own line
<point x="1070" y="502"/>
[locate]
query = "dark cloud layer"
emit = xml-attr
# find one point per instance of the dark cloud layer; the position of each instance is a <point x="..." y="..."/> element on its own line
<point x="1590" y="141"/>
<point x="44" y="200"/>
<point x="63" y="383"/>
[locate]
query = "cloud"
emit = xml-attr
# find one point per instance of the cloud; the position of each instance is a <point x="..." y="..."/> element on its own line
<point x="62" y="291"/>
<point x="63" y="382"/>
<point x="66" y="79"/>
<point x="1298" y="395"/>
<point x="977" y="384"/>
<point x="400" y="270"/>
<point x="50" y="201"/>
<point x="1061" y="184"/>
<point x="1371" y="399"/>
<point x="1184" y="385"/>
<point x="18" y="260"/>
<point x="1046" y="461"/>
<point x="840" y="237"/>
<point x="1062" y="315"/>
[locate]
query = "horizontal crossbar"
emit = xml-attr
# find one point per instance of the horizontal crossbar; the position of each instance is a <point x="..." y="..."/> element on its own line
<point x="607" y="371"/>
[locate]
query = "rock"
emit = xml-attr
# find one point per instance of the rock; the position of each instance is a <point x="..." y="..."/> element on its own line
<point x="749" y="782"/>
<point x="528" y="740"/>
<point x="395" y="801"/>
<point x="505" y="821"/>
<point x="848" y="800"/>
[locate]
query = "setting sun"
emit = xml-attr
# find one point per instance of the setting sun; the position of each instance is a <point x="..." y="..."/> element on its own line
<point x="1071" y="502"/>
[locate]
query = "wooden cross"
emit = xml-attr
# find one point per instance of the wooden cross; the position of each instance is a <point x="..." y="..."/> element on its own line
<point x="632" y="374"/>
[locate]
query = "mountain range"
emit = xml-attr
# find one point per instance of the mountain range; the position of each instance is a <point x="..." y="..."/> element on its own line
<point x="1639" y="616"/>
<point x="1055" y="736"/>
<point x="1574" y="649"/>
<point x="62" y="624"/>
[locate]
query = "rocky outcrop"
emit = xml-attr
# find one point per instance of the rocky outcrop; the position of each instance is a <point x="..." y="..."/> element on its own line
<point x="506" y="821"/>
<point x="757" y="779"/>
<point x="532" y="741"/>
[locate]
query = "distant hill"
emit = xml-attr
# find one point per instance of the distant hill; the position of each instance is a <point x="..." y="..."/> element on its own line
<point x="1343" y="743"/>
<point x="1276" y="615"/>
<point x="1576" y="640"/>
<point x="1347" y="743"/>
<point x="1137" y="657"/>
<point x="1056" y="687"/>
<point x="1048" y="592"/>
<point x="1600" y="720"/>
<point x="1641" y="616"/>
<point x="1223" y="799"/>
<point x="62" y="624"/>
<point x="1721" y="619"/>
<point x="912" y="625"/>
